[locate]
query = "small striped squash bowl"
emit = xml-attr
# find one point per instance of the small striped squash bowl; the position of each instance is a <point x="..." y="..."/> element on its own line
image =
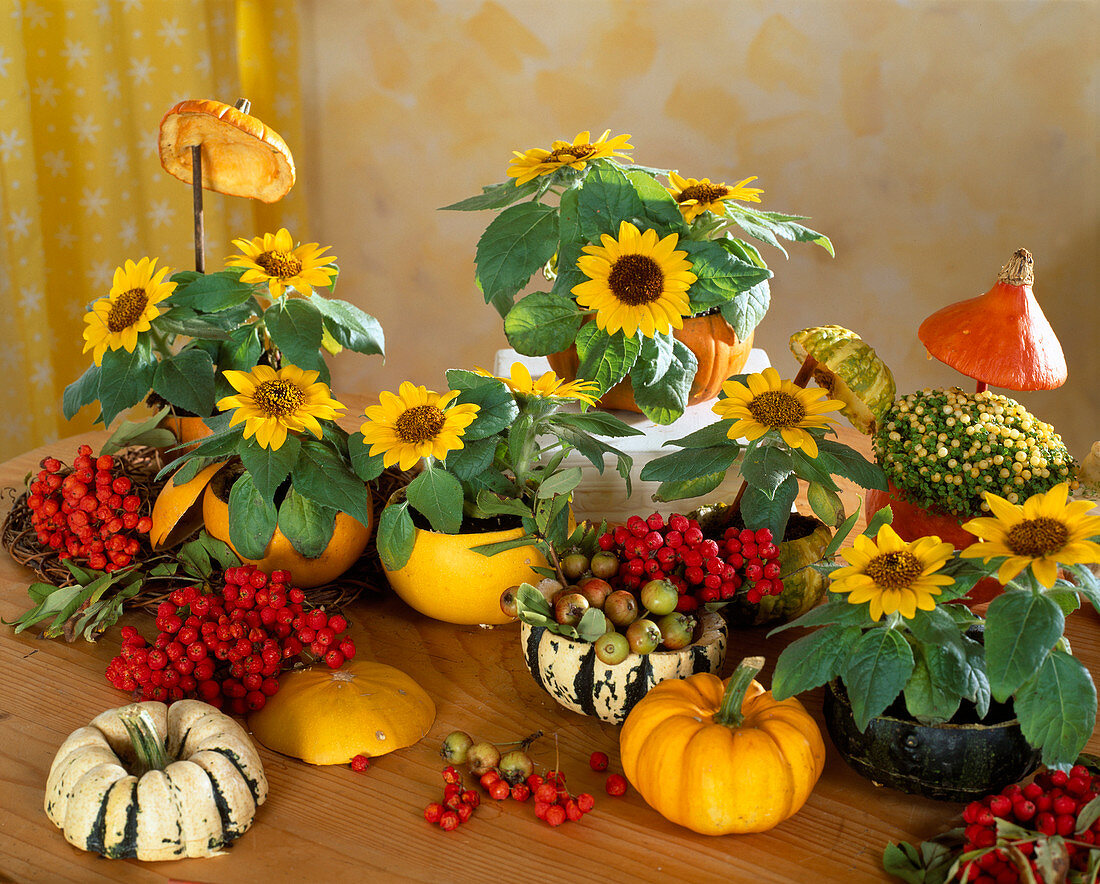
<point x="570" y="672"/>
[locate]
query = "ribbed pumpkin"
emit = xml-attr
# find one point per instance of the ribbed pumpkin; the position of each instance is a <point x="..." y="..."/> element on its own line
<point x="722" y="758"/>
<point x="327" y="716"/>
<point x="848" y="367"/>
<point x="570" y="672"/>
<point x="718" y="350"/>
<point x="156" y="782"/>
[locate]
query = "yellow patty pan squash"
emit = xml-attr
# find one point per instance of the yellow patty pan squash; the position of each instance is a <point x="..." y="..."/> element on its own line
<point x="722" y="758"/>
<point x="328" y="716"/>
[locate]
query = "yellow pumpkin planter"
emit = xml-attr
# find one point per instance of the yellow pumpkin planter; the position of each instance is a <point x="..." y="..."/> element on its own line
<point x="328" y="716"/>
<point x="722" y="758"/>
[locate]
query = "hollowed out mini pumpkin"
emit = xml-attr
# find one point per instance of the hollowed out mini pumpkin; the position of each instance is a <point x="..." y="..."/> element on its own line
<point x="156" y="782"/>
<point x="328" y="716"/>
<point x="718" y="350"/>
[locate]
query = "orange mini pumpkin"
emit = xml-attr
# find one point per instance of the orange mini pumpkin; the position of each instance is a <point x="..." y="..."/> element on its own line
<point x="719" y="757"/>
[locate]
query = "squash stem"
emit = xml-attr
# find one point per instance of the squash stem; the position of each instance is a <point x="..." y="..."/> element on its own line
<point x="729" y="713"/>
<point x="143" y="737"/>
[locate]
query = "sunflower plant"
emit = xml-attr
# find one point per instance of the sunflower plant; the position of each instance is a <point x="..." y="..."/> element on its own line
<point x="784" y="428"/>
<point x="628" y="259"/>
<point x="888" y="633"/>
<point x="175" y="335"/>
<point x="295" y="467"/>
<point x="489" y="449"/>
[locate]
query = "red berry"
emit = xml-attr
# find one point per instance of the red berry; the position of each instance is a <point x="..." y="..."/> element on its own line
<point x="433" y="812"/>
<point x="449" y="821"/>
<point x="521" y="792"/>
<point x="585" y="802"/>
<point x="555" y="815"/>
<point x="360" y="763"/>
<point x="615" y="785"/>
<point x="598" y="761"/>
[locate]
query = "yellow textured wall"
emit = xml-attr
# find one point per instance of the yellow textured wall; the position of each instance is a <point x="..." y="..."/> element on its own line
<point x="928" y="140"/>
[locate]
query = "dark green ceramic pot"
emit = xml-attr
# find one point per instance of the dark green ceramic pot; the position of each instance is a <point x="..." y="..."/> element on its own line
<point x="947" y="762"/>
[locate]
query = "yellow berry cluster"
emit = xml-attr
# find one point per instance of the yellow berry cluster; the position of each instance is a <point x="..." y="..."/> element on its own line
<point x="944" y="448"/>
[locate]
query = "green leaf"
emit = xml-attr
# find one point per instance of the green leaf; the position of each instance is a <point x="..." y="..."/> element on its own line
<point x="696" y="487"/>
<point x="745" y="310"/>
<point x="766" y="226"/>
<point x="607" y="197"/>
<point x="321" y="475"/>
<point x="497" y="407"/>
<point x="760" y="511"/>
<point x="1057" y="708"/>
<point x="83" y="391"/>
<point x="812" y="469"/>
<point x="876" y="671"/>
<point x="184" y="321"/>
<point x="840" y="536"/>
<point x="1087" y="584"/>
<point x="211" y="293"/>
<point x="187" y="381"/>
<point x="494" y="505"/>
<point x="542" y="323"/>
<point x="252" y="518"/>
<point x="1020" y="630"/>
<point x="813" y="660"/>
<point x="125" y="378"/>
<point x="296" y="327"/>
<point x="592" y="625"/>
<point x="240" y="353"/>
<point x="561" y="483"/>
<point x="825" y="504"/>
<point x="664" y="400"/>
<point x="600" y="423"/>
<point x="884" y="516"/>
<point x="708" y="437"/>
<point x="437" y="495"/>
<point x="766" y="467"/>
<point x="396" y="536"/>
<point x="653" y="361"/>
<point x="604" y="358"/>
<point x="270" y="466"/>
<point x="720" y="274"/>
<point x="366" y="466"/>
<point x="841" y="460"/>
<point x="976" y="689"/>
<point x="494" y="196"/>
<point x="515" y="244"/>
<point x="146" y="432"/>
<point x="530" y="601"/>
<point x="658" y="205"/>
<point x="350" y="326"/>
<point x="690" y="464"/>
<point x="928" y="696"/>
<point x="306" y="524"/>
<point x="492" y="549"/>
<point x="834" y="610"/>
<point x="474" y="457"/>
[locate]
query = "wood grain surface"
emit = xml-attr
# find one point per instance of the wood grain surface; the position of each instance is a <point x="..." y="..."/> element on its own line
<point x="331" y="824"/>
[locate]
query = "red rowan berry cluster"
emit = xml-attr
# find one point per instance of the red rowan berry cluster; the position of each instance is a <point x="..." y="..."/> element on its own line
<point x="228" y="648"/>
<point x="702" y="570"/>
<point x="88" y="512"/>
<point x="1047" y="806"/>
<point x="458" y="802"/>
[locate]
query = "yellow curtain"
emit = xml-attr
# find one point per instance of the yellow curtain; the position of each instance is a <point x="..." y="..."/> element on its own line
<point x="83" y="87"/>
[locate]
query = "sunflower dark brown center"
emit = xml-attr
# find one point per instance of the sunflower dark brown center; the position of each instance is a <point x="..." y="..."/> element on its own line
<point x="1037" y="537"/>
<point x="571" y="153"/>
<point x="636" y="280"/>
<point x="127" y="309"/>
<point x="704" y="193"/>
<point x="420" y="423"/>
<point x="894" y="570"/>
<point x="278" y="398"/>
<point x="280" y="264"/>
<point x="775" y="408"/>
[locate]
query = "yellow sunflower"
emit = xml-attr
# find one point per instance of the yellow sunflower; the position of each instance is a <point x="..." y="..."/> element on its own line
<point x="548" y="386"/>
<point x="771" y="403"/>
<point x="272" y="402"/>
<point x="117" y="319"/>
<point x="635" y="282"/>
<point x="1043" y="533"/>
<point x="696" y="196"/>
<point x="414" y="423"/>
<point x="273" y="258"/>
<point x="530" y="164"/>
<point x="893" y="575"/>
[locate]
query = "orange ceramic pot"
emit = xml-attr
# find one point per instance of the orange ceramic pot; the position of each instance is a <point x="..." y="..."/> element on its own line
<point x="912" y="521"/>
<point x="718" y="350"/>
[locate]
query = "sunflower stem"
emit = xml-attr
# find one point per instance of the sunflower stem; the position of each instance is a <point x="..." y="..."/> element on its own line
<point x="160" y="343"/>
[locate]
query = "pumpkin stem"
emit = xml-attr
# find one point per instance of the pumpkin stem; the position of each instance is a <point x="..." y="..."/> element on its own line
<point x="729" y="713"/>
<point x="148" y="747"/>
<point x="1020" y="269"/>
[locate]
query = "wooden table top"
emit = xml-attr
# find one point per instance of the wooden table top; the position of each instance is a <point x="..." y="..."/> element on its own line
<point x="332" y="824"/>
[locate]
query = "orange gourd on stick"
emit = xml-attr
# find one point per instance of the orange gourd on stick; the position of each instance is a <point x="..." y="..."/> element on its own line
<point x="1001" y="338"/>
